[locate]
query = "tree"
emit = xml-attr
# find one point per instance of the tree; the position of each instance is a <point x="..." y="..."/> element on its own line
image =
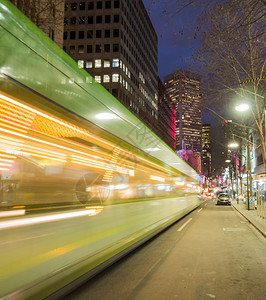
<point x="48" y="15"/>
<point x="232" y="58"/>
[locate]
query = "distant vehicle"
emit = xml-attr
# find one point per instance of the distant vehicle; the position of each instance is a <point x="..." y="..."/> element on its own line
<point x="218" y="193"/>
<point x="223" y="198"/>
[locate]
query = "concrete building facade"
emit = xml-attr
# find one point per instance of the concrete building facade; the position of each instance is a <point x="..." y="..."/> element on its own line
<point x="206" y="150"/>
<point x="116" y="43"/>
<point x="166" y="117"/>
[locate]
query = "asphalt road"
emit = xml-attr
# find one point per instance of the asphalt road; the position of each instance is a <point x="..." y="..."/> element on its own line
<point x="213" y="253"/>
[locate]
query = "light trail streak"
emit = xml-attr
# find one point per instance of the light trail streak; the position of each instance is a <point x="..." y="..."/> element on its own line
<point x="157" y="178"/>
<point x="92" y="211"/>
<point x="33" y="112"/>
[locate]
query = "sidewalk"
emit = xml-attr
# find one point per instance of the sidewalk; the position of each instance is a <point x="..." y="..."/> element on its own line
<point x="252" y="216"/>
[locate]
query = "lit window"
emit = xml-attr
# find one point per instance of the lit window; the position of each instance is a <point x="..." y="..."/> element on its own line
<point x="98" y="78"/>
<point x="115" y="62"/>
<point x="98" y="63"/>
<point x="80" y="63"/>
<point x="106" y="78"/>
<point x="88" y="64"/>
<point x="81" y="49"/>
<point x="115" y="77"/>
<point x="106" y="63"/>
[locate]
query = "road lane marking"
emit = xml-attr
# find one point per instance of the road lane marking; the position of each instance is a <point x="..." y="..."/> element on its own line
<point x="233" y="229"/>
<point x="199" y="210"/>
<point x="184" y="225"/>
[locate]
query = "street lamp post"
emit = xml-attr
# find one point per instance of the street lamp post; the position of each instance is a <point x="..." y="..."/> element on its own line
<point x="242" y="108"/>
<point x="236" y="145"/>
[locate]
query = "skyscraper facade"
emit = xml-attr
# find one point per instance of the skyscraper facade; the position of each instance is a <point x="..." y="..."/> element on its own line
<point x="116" y="43"/>
<point x="206" y="150"/>
<point x="166" y="117"/>
<point x="184" y="88"/>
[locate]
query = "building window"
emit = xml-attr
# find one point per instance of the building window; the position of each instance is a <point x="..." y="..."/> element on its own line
<point x="99" y="5"/>
<point x="98" y="48"/>
<point x="88" y="64"/>
<point x="115" y="47"/>
<point x="74" y="6"/>
<point x="106" y="63"/>
<point x="81" y="49"/>
<point x="89" y="48"/>
<point x="98" y="63"/>
<point x="98" y="78"/>
<point x="115" y="63"/>
<point x="90" y="34"/>
<point x="81" y="34"/>
<point x="73" y="20"/>
<point x="90" y="19"/>
<point x="81" y="63"/>
<point x="106" y="47"/>
<point x="116" y="18"/>
<point x="72" y="49"/>
<point x="90" y="5"/>
<point x="82" y="5"/>
<point x="98" y="33"/>
<point x="82" y="20"/>
<point x="72" y="35"/>
<point x="107" y="19"/>
<point x="116" y="33"/>
<point x="115" y="92"/>
<point x="116" y="4"/>
<point x="98" y="19"/>
<point x="65" y="21"/>
<point x="107" y="33"/>
<point x="106" y="78"/>
<point x="115" y="77"/>
<point x="108" y="4"/>
<point x="65" y="35"/>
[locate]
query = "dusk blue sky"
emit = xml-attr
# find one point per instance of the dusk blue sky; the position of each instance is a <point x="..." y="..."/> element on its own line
<point x="174" y="51"/>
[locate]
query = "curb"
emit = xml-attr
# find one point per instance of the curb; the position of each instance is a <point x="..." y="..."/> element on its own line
<point x="258" y="226"/>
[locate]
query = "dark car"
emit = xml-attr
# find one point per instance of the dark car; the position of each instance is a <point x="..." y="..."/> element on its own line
<point x="223" y="198"/>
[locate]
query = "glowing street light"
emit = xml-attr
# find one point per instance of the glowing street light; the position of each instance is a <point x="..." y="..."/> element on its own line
<point x="242" y="107"/>
<point x="233" y="145"/>
<point x="228" y="161"/>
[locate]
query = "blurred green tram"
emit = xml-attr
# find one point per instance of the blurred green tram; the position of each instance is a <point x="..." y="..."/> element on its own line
<point x="49" y="159"/>
<point x="67" y="143"/>
<point x="64" y="138"/>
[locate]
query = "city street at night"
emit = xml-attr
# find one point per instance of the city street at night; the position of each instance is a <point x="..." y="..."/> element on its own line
<point x="132" y="150"/>
<point x="213" y="253"/>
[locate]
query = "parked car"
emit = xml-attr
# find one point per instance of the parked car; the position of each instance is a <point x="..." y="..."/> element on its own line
<point x="223" y="198"/>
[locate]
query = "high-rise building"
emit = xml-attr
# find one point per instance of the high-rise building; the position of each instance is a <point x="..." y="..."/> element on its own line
<point x="206" y="150"/>
<point x="166" y="117"/>
<point x="46" y="14"/>
<point x="116" y="43"/>
<point x="184" y="88"/>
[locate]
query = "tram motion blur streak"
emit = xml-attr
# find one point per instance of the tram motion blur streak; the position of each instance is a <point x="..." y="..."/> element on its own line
<point x="79" y="187"/>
